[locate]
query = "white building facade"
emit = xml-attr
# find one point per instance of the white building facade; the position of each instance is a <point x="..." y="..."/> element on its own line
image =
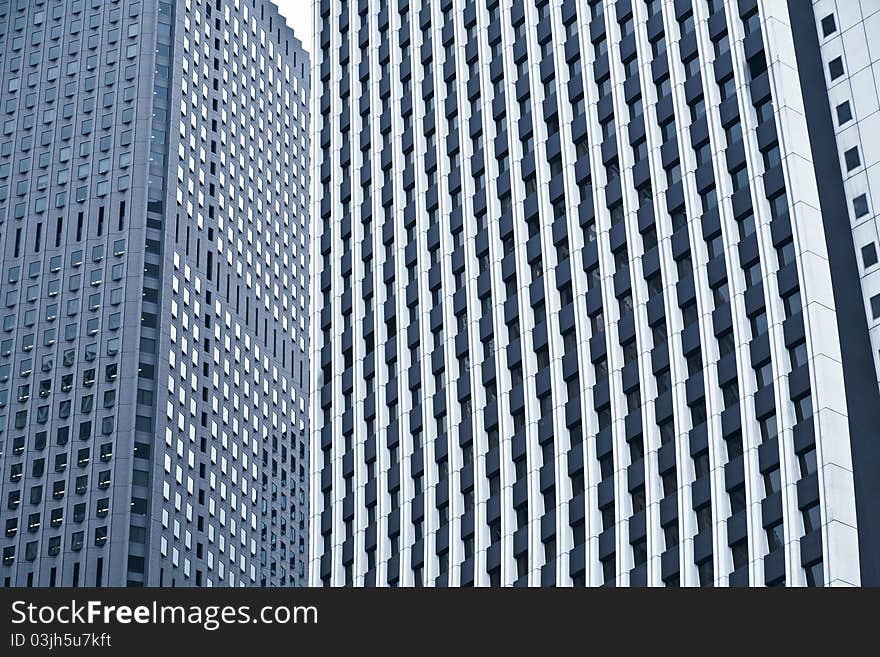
<point x="579" y="299"/>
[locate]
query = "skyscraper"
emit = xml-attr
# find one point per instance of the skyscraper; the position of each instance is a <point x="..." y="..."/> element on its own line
<point x="154" y="248"/>
<point x="845" y="34"/>
<point x="586" y="304"/>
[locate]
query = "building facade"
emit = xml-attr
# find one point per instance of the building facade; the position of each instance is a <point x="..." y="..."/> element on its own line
<point x="154" y="249"/>
<point x="585" y="295"/>
<point x="849" y="60"/>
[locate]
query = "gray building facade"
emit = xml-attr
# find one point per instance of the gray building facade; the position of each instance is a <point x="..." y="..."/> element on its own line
<point x="587" y="308"/>
<point x="154" y="255"/>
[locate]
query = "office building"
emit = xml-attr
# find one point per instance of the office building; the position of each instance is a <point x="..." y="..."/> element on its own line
<point x="586" y="293"/>
<point x="845" y="31"/>
<point x="154" y="249"/>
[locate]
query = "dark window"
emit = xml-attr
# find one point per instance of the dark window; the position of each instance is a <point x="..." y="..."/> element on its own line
<point x="869" y="255"/>
<point x="740" y="552"/>
<point x="785" y="253"/>
<point x="844" y="113"/>
<point x="734" y="445"/>
<point x="815" y="574"/>
<point x="752" y="22"/>
<point x="772" y="481"/>
<point x="852" y="158"/>
<point x="640" y="552"/>
<point x="803" y="408"/>
<point x="701" y="464"/>
<point x="798" y="354"/>
<point x="737" y="499"/>
<point x="607" y="517"/>
<point x="835" y="67"/>
<point x="670" y="482"/>
<point x="775" y="536"/>
<point x="704" y="518"/>
<point x="608" y="569"/>
<point x="860" y="205"/>
<point x="829" y="26"/>
<point x="706" y="570"/>
<point x="768" y="427"/>
<point x="807" y="461"/>
<point x="638" y="499"/>
<point x="812" y="518"/>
